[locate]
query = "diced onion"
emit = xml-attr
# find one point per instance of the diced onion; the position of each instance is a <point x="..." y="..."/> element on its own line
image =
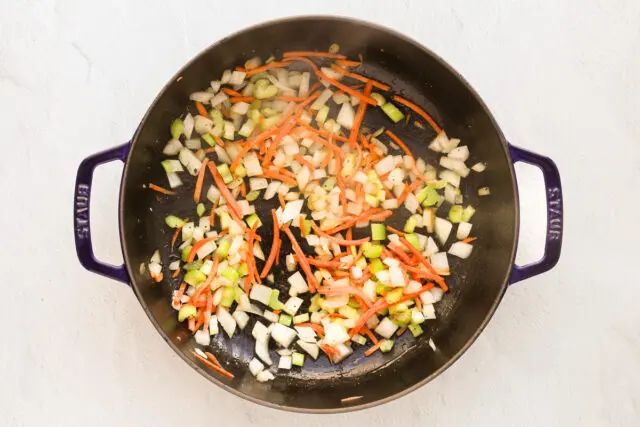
<point x="461" y="250"/>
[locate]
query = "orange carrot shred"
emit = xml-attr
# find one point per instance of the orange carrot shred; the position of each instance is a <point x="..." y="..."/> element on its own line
<point x="231" y="92"/>
<point x="201" y="110"/>
<point x="176" y="273"/>
<point x="313" y="283"/>
<point x="161" y="190"/>
<point x="418" y="111"/>
<point x="274" y="245"/>
<point x="213" y="366"/>
<point x="468" y="239"/>
<point x="200" y="181"/>
<point x="374" y="348"/>
<point x="314" y="54"/>
<point x="361" y="78"/>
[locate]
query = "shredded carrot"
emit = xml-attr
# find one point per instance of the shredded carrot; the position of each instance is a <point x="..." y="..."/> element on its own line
<point x="359" y="117"/>
<point x="161" y="190"/>
<point x="219" y="141"/>
<point x="178" y="296"/>
<point x="243" y="190"/>
<point x="321" y="132"/>
<point x="176" y="273"/>
<point x="437" y="278"/>
<point x="408" y="189"/>
<point x="200" y="181"/>
<point x="303" y="232"/>
<point x="224" y="191"/>
<point x="398" y="141"/>
<point x="196" y="247"/>
<point x="347" y="63"/>
<point x="339" y="241"/>
<point x="313" y="283"/>
<point x="370" y="334"/>
<point x="395" y="230"/>
<point x="235" y="99"/>
<point x="241" y="68"/>
<point x="361" y="78"/>
<point x="201" y="110"/>
<point x="418" y="303"/>
<point x="274" y="245"/>
<point x="176" y="234"/>
<point x="305" y="162"/>
<point x="318" y="329"/>
<point x="418" y="111"/>
<point x="401" y="331"/>
<point x="213" y="366"/>
<point x="324" y="264"/>
<point x="374" y="348"/>
<point x="274" y="64"/>
<point x="281" y="177"/>
<point x="468" y="239"/>
<point x="213" y="358"/>
<point x="231" y="92"/>
<point x="315" y="54"/>
<point x="395" y="248"/>
<point x="281" y="199"/>
<point x="212" y="215"/>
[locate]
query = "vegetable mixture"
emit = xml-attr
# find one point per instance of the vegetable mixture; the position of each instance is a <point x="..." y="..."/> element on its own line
<point x="293" y="131"/>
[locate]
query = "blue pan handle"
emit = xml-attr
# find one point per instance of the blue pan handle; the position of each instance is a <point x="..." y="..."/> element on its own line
<point x="81" y="223"/>
<point x="553" y="190"/>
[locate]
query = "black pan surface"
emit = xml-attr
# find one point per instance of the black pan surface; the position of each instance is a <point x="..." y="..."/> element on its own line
<point x="476" y="286"/>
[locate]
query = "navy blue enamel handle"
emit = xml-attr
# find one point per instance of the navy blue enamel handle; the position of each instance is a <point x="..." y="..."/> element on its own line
<point x="553" y="189"/>
<point x="81" y="223"/>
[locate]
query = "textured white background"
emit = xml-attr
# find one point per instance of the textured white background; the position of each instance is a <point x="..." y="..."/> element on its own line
<point x="561" y="78"/>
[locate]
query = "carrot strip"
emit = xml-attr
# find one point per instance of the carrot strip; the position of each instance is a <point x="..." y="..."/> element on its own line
<point x="281" y="177"/>
<point x="212" y="215"/>
<point x="207" y="310"/>
<point x="176" y="273"/>
<point x="197" y="245"/>
<point x="305" y="162"/>
<point x="224" y="191"/>
<point x="357" y="122"/>
<point x="231" y="92"/>
<point x="274" y="245"/>
<point x="313" y="283"/>
<point x="281" y="200"/>
<point x="398" y="141"/>
<point x="213" y="366"/>
<point x="373" y="349"/>
<point x="161" y="190"/>
<point x="219" y="141"/>
<point x="235" y="99"/>
<point x="435" y="276"/>
<point x="200" y="181"/>
<point x="408" y="189"/>
<point x="213" y="358"/>
<point x="176" y="234"/>
<point x="321" y="132"/>
<point x="179" y="294"/>
<point x="201" y="110"/>
<point x="418" y="303"/>
<point x="303" y="232"/>
<point x="324" y="264"/>
<point x="395" y="230"/>
<point x="243" y="190"/>
<point x="278" y="252"/>
<point x="400" y="253"/>
<point x="468" y="239"/>
<point x="313" y="54"/>
<point x="360" y="77"/>
<point x="318" y="329"/>
<point x="274" y="64"/>
<point x="339" y="241"/>
<point x="401" y="331"/>
<point x="271" y="151"/>
<point x="418" y="111"/>
<point x="348" y="63"/>
<point x="368" y="332"/>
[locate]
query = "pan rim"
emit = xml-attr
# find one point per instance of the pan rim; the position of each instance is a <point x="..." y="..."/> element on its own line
<point x="481" y="326"/>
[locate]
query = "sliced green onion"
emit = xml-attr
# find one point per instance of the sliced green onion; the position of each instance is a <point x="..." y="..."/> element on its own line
<point x="386" y="346"/>
<point x="394" y="296"/>
<point x="456" y="214"/>
<point x="378" y="98"/>
<point x="392" y="111"/>
<point x="285" y="319"/>
<point x="185" y="253"/>
<point x="177" y="128"/>
<point x="252" y="219"/>
<point x="223" y="249"/>
<point x="413" y="239"/>
<point x="194" y="277"/>
<point x="186" y="311"/>
<point x="297" y="359"/>
<point x="416" y="330"/>
<point x="173" y="221"/>
<point x="376" y="265"/>
<point x="228" y="296"/>
<point x="200" y="209"/>
<point x="468" y="213"/>
<point x="225" y="173"/>
<point x="231" y="274"/>
<point x="252" y="195"/>
<point x="372" y="250"/>
<point x="209" y="139"/>
<point x="274" y="302"/>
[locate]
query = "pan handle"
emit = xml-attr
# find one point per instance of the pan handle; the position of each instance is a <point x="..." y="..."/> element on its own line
<point x="555" y="225"/>
<point x="81" y="204"/>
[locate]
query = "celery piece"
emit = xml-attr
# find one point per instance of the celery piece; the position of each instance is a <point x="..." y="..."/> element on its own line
<point x="274" y="301"/>
<point x="468" y="213"/>
<point x="376" y="265"/>
<point x="228" y="296"/>
<point x="381" y="289"/>
<point x="231" y="274"/>
<point x="209" y="139"/>
<point x="297" y="359"/>
<point x="402" y="318"/>
<point x="386" y="346"/>
<point x="329" y="183"/>
<point x="392" y="112"/>
<point x="200" y="209"/>
<point x="247" y="128"/>
<point x="410" y="225"/>
<point x="394" y="296"/>
<point x="413" y="239"/>
<point x="301" y="318"/>
<point x="428" y="196"/>
<point x="456" y="213"/>
<point x="322" y="114"/>
<point x="252" y="195"/>
<point x="186" y="311"/>
<point x="285" y="319"/>
<point x="372" y="250"/>
<point x="225" y="173"/>
<point x="223" y="249"/>
<point x="195" y="265"/>
<point x="243" y="270"/>
<point x="252" y="219"/>
<point x="306" y="224"/>
<point x="185" y="252"/>
<point x="194" y="277"/>
<point x="416" y="330"/>
<point x="240" y="171"/>
<point x="173" y="221"/>
<point x="379" y="99"/>
<point x="378" y="232"/>
<point x="177" y="128"/>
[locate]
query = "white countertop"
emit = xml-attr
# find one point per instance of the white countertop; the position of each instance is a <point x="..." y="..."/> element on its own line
<point x="561" y="79"/>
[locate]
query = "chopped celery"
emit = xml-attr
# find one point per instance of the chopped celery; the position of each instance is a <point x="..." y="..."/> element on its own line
<point x="247" y="128"/>
<point x="428" y="196"/>
<point x="177" y="128"/>
<point x="186" y="311"/>
<point x="383" y="312"/>
<point x="413" y="239"/>
<point x="225" y="173"/>
<point x="185" y="252"/>
<point x="200" y="209"/>
<point x="231" y="274"/>
<point x="416" y="330"/>
<point x="172" y="166"/>
<point x="394" y="296"/>
<point x="252" y="219"/>
<point x="410" y="225"/>
<point x="378" y="232"/>
<point x="439" y="185"/>
<point x="301" y="318"/>
<point x="209" y="139"/>
<point x="353" y="303"/>
<point x="392" y="111"/>
<point x="386" y="346"/>
<point x="269" y="122"/>
<point x="329" y="183"/>
<point x="173" y="221"/>
<point x="252" y="195"/>
<point x="194" y="277"/>
<point x="274" y="302"/>
<point x="306" y="224"/>
<point x="359" y="339"/>
<point x="243" y="270"/>
<point x="228" y="296"/>
<point x="381" y="289"/>
<point x="376" y="265"/>
<point x="229" y="131"/>
<point x="240" y="171"/>
<point x="468" y="213"/>
<point x="195" y="265"/>
<point x="401" y="318"/>
<point x="223" y="249"/>
<point x="256" y="104"/>
<point x="297" y="359"/>
<point x="455" y="214"/>
<point x="262" y="92"/>
<point x="316" y="302"/>
<point x="225" y="220"/>
<point x="379" y="99"/>
<point x="371" y="250"/>
<point x="322" y="114"/>
<point x="285" y="319"/>
<point x="371" y="200"/>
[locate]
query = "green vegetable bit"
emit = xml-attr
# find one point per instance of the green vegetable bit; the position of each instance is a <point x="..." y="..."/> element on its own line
<point x="252" y="219"/>
<point x="386" y="346"/>
<point x="228" y="296"/>
<point x="195" y="265"/>
<point x="194" y="277"/>
<point x="252" y="195"/>
<point x="274" y="301"/>
<point x="177" y="128"/>
<point x="468" y="213"/>
<point x="413" y="239"/>
<point x="223" y="249"/>
<point x="392" y="111"/>
<point x="186" y="311"/>
<point x="376" y="265"/>
<point x="173" y="221"/>
<point x="285" y="319"/>
<point x="372" y="250"/>
<point x="301" y="318"/>
<point x="428" y="196"/>
<point x="456" y="214"/>
<point x="379" y="99"/>
<point x="297" y="359"/>
<point x="209" y="139"/>
<point x="416" y="330"/>
<point x="185" y="252"/>
<point x="200" y="209"/>
<point x="378" y="232"/>
<point x="225" y="173"/>
<point x="410" y="225"/>
<point x="394" y="296"/>
<point x="231" y="274"/>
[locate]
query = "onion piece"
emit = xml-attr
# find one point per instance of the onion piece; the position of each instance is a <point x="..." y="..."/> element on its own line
<point x="172" y="148"/>
<point x="346" y="116"/>
<point x="283" y="335"/>
<point x="461" y="250"/>
<point x="386" y="328"/>
<point x="335" y="334"/>
<point x="440" y="263"/>
<point x="322" y="99"/>
<point x="464" y="229"/>
<point x="442" y="229"/>
<point x="255" y="366"/>
<point x="479" y="167"/>
<point x="227" y="321"/>
<point x="312" y="349"/>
